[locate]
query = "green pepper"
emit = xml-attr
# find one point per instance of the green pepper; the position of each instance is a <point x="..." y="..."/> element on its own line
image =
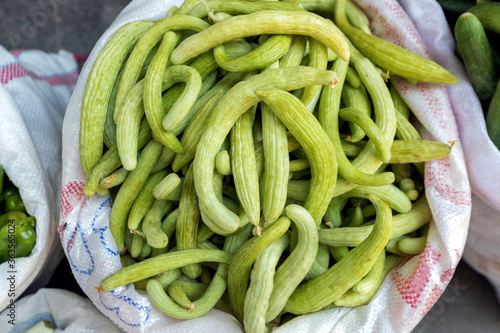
<point x="8" y="188"/>
<point x="14" y="202"/>
<point x="17" y="238"/>
<point x="31" y="222"/>
<point x="11" y="216"/>
<point x="9" y="194"/>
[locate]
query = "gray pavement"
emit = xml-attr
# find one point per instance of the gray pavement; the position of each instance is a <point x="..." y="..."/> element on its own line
<point x="467" y="305"/>
<point x="51" y="25"/>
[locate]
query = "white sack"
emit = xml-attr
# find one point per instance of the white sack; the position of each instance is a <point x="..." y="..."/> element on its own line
<point x="406" y="295"/>
<point x="482" y="250"/>
<point x="65" y="310"/>
<point x="35" y="88"/>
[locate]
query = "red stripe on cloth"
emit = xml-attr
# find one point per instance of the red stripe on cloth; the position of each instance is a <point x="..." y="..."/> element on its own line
<point x="71" y="195"/>
<point x="15" y="70"/>
<point x="17" y="52"/>
<point x="80" y="57"/>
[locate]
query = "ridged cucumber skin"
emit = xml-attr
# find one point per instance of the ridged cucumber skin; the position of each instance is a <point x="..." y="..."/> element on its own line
<point x="477" y="55"/>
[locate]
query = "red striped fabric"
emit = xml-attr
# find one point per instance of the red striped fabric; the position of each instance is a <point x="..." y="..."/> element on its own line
<point x="14" y="70"/>
<point x="16" y="52"/>
<point x="80" y="57"/>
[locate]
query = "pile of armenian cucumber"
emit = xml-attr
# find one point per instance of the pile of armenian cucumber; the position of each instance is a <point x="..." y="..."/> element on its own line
<point x="477" y="30"/>
<point x="259" y="159"/>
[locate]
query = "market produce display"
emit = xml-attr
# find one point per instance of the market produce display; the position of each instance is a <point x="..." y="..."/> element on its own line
<point x="17" y="230"/>
<point x="480" y="58"/>
<point x="263" y="165"/>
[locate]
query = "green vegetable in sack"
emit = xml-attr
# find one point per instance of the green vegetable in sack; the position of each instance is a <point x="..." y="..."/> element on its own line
<point x="17" y="236"/>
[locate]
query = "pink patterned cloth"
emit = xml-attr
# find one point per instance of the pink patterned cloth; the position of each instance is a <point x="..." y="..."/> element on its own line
<point x="482" y="157"/>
